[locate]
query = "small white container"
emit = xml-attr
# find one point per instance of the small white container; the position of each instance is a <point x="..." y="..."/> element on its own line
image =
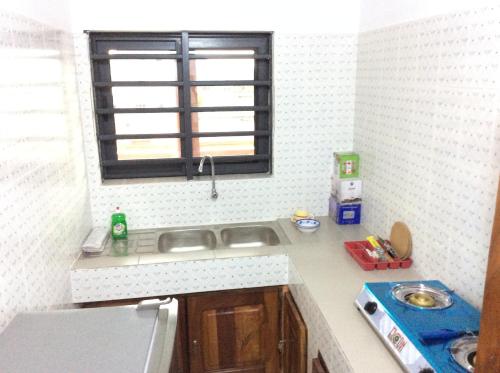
<point x="347" y="190"/>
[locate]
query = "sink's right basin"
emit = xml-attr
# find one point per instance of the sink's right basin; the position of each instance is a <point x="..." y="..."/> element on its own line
<point x="186" y="241"/>
<point x="249" y="236"/>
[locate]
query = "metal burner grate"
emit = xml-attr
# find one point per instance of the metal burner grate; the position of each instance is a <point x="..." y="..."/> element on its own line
<point x="463" y="351"/>
<point x="422" y="296"/>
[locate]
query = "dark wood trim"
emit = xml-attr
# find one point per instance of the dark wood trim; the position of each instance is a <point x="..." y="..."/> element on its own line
<point x="319" y="365"/>
<point x="488" y="353"/>
<point x="180" y="358"/>
<point x="293" y="336"/>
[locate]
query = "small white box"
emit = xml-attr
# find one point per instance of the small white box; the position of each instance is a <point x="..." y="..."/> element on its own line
<point x="347" y="190"/>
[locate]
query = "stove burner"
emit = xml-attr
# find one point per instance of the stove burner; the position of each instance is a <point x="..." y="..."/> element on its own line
<point x="463" y="351"/>
<point x="421" y="299"/>
<point x="471" y="358"/>
<point x="422" y="296"/>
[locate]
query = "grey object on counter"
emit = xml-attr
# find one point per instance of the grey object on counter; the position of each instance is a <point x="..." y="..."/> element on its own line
<point x="110" y="339"/>
<point x="94" y="243"/>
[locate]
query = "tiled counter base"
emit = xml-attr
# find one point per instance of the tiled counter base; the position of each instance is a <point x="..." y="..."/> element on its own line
<point x="146" y="280"/>
<point x="319" y="334"/>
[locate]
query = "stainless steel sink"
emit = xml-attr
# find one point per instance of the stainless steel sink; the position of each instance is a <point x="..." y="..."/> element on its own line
<point x="249" y="236"/>
<point x="182" y="241"/>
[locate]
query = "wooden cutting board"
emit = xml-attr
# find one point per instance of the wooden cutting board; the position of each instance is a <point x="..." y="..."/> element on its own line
<point x="401" y="239"/>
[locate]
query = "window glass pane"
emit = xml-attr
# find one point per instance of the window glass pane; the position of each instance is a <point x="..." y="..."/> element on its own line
<point x="223" y="146"/>
<point x="148" y="149"/>
<point x="143" y="70"/>
<point x="222" y="96"/>
<point x="136" y="51"/>
<point x="223" y="121"/>
<point x="145" y="97"/>
<point x="222" y="69"/>
<point x="138" y="123"/>
<point x="222" y="51"/>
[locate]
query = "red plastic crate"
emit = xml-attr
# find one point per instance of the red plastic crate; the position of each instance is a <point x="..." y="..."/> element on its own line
<point x="357" y="250"/>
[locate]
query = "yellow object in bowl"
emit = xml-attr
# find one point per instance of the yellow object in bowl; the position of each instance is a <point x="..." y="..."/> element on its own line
<point x="301" y="214"/>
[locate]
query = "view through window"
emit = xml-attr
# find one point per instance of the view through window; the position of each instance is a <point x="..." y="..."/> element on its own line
<point x="160" y="102"/>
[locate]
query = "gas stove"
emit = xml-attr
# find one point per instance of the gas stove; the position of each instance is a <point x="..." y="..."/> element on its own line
<point x="426" y="326"/>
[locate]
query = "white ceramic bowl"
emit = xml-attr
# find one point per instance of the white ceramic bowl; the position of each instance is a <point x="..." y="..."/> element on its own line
<point x="307" y="225"/>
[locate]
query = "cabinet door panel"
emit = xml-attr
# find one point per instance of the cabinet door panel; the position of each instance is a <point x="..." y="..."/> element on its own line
<point x="234" y="331"/>
<point x="294" y="337"/>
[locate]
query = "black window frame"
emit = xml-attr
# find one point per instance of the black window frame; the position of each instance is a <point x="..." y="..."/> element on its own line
<point x="180" y="44"/>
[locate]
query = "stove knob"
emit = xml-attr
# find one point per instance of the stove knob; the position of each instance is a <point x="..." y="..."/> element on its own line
<point x="370" y="307"/>
<point x="426" y="370"/>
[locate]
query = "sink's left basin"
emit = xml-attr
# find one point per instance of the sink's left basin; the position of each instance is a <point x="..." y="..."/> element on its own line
<point x="183" y="241"/>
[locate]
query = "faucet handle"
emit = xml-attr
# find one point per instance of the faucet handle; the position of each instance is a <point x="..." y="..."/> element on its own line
<point x="200" y="167"/>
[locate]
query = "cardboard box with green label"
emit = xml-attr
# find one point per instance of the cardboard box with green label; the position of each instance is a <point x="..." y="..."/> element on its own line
<point x="346" y="165"/>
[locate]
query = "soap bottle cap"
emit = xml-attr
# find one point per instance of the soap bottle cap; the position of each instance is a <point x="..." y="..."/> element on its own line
<point x="117" y="210"/>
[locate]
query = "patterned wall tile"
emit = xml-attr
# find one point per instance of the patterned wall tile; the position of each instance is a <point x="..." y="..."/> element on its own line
<point x="314" y="102"/>
<point x="427" y="125"/>
<point x="147" y="280"/>
<point x="44" y="205"/>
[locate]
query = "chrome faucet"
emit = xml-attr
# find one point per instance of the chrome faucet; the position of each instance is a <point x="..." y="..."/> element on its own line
<point x="200" y="170"/>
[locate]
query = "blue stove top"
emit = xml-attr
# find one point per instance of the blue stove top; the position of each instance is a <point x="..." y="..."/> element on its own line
<point x="412" y="321"/>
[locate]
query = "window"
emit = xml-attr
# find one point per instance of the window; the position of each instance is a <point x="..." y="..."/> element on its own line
<point x="164" y="100"/>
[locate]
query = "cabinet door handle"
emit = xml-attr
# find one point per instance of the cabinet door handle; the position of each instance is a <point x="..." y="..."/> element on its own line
<point x="281" y="345"/>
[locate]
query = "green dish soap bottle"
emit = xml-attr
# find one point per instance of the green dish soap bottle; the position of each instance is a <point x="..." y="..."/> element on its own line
<point x="118" y="225"/>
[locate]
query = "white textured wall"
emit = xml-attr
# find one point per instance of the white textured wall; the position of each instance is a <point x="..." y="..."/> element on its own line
<point x="381" y="13"/>
<point x="313" y="103"/>
<point x="44" y="208"/>
<point x="55" y="13"/>
<point x="314" y="69"/>
<point x="292" y="16"/>
<point x="427" y="125"/>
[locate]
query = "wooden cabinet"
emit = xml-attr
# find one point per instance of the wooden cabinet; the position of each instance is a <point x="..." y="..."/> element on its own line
<point x="180" y="357"/>
<point x="234" y="331"/>
<point x="488" y="356"/>
<point x="318" y="365"/>
<point x="294" y="338"/>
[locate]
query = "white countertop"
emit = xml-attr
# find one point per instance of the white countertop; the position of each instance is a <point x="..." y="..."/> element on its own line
<point x="328" y="272"/>
<point x="334" y="280"/>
